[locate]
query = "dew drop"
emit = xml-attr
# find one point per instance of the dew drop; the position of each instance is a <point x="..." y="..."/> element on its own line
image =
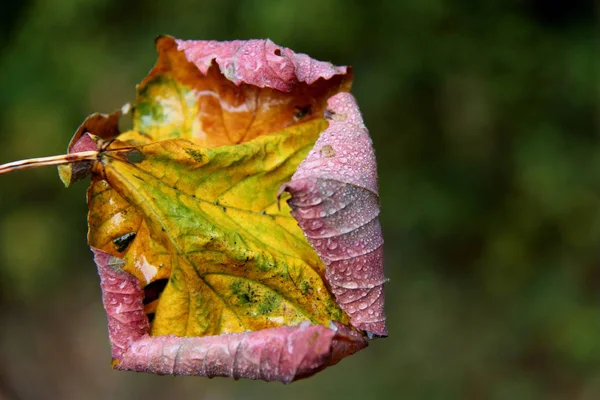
<point x="316" y="224"/>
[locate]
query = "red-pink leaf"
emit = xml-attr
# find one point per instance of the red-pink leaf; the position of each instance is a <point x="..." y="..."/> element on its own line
<point x="336" y="203"/>
<point x="258" y="62"/>
<point x="280" y="354"/>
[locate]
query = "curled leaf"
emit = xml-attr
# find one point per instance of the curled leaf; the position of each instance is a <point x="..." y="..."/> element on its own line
<point x="335" y="200"/>
<point x="203" y="271"/>
<point x="278" y="354"/>
<point x="192" y="93"/>
<point x="259" y="63"/>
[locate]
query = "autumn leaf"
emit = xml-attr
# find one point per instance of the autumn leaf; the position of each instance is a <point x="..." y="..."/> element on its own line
<point x="205" y="269"/>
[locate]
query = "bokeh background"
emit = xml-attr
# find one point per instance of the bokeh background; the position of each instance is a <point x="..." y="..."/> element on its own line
<point x="485" y="119"/>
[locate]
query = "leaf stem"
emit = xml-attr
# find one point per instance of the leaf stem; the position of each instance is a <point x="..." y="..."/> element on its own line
<point x="91" y="155"/>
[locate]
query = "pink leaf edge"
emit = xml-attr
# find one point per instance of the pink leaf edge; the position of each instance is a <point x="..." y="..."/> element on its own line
<point x="258" y="62"/>
<point x="283" y="354"/>
<point x="335" y="201"/>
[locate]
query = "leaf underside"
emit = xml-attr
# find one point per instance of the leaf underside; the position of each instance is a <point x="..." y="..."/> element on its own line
<point x="279" y="354"/>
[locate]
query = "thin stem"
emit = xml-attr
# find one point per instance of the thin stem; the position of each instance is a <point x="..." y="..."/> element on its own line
<point x="91" y="155"/>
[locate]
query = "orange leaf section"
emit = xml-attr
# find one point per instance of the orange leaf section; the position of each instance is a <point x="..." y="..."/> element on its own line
<point x="176" y="100"/>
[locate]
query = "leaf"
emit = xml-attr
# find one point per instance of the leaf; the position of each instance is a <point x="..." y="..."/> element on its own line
<point x="204" y="271"/>
<point x="187" y="202"/>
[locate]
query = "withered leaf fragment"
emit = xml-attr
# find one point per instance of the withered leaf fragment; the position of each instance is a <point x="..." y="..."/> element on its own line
<point x="335" y="199"/>
<point x="102" y="127"/>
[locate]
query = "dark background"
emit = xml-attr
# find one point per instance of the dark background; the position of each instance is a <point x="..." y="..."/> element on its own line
<point x="485" y="121"/>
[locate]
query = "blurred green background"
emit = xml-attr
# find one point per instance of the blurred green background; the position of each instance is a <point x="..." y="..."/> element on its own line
<point x="484" y="115"/>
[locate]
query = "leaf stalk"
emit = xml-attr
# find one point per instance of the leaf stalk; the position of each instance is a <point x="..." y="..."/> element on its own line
<point x="38" y="162"/>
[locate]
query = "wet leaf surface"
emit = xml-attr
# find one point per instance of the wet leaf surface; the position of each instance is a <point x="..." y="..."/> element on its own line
<point x="205" y="268"/>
